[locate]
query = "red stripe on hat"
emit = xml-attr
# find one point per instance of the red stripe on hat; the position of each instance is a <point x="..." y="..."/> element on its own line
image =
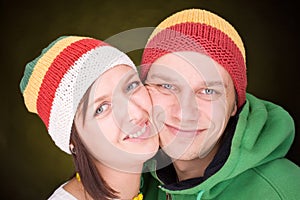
<point x="57" y="70"/>
<point x="200" y="38"/>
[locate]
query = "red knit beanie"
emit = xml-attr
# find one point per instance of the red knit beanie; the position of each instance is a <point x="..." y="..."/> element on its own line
<point x="200" y="31"/>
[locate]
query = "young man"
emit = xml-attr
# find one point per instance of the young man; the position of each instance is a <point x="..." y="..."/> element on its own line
<point x="222" y="143"/>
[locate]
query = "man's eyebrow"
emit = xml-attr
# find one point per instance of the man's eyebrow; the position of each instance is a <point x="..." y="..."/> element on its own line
<point x="164" y="78"/>
<point x="202" y="83"/>
<point x="214" y="83"/>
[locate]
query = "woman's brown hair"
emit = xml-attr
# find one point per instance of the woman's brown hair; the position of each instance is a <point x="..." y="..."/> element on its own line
<point x="90" y="177"/>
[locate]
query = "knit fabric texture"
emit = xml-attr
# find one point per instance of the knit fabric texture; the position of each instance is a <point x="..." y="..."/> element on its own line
<point x="54" y="83"/>
<point x="200" y="31"/>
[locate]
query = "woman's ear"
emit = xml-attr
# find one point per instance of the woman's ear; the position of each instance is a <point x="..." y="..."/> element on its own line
<point x="72" y="149"/>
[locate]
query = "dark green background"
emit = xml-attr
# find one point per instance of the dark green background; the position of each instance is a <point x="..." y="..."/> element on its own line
<point x="31" y="165"/>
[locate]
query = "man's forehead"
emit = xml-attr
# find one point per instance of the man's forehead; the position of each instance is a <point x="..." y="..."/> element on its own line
<point x="180" y="73"/>
<point x="187" y="65"/>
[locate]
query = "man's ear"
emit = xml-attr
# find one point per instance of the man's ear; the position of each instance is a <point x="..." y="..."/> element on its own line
<point x="234" y="109"/>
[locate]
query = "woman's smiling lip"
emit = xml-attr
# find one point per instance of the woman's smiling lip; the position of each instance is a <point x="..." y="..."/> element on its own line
<point x="140" y="135"/>
<point x="183" y="133"/>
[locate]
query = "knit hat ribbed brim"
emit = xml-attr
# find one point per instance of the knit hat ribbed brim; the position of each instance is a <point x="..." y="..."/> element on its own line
<point x="54" y="83"/>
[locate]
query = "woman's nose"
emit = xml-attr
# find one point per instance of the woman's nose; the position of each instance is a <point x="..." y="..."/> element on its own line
<point x="139" y="106"/>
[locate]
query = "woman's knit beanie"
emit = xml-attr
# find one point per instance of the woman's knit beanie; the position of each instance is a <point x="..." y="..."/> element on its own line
<point x="54" y="82"/>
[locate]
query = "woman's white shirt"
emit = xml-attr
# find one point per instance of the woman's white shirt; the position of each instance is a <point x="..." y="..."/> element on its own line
<point x="61" y="194"/>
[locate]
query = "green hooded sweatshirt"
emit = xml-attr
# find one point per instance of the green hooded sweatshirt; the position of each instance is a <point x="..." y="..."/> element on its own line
<point x="256" y="167"/>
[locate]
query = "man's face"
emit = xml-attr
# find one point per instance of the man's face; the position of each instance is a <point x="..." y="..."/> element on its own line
<point x="193" y="99"/>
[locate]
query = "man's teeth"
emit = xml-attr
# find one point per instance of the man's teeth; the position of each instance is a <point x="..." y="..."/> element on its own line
<point x="139" y="133"/>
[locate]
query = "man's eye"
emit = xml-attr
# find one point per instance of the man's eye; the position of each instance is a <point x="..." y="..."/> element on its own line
<point x="102" y="108"/>
<point x="168" y="86"/>
<point x="132" y="86"/>
<point x="209" y="91"/>
<point x="209" y="94"/>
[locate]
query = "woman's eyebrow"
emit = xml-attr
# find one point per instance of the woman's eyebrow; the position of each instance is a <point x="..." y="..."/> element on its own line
<point x="130" y="76"/>
<point x="99" y="99"/>
<point x="106" y="96"/>
<point x="84" y="105"/>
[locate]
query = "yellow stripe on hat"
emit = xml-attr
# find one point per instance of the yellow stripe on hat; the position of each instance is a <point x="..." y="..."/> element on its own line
<point x="203" y="17"/>
<point x="42" y="66"/>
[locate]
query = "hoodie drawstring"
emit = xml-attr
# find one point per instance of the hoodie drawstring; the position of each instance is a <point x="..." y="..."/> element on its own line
<point x="200" y="195"/>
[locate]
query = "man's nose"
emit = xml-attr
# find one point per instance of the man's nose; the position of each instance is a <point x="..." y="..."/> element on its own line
<point x="189" y="110"/>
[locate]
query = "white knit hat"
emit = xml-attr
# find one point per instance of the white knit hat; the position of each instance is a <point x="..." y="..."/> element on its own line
<point x="54" y="83"/>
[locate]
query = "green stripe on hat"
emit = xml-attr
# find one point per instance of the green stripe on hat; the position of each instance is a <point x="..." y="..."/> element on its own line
<point x="30" y="66"/>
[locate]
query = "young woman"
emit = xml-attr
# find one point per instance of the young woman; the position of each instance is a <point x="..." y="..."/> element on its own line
<point x="95" y="108"/>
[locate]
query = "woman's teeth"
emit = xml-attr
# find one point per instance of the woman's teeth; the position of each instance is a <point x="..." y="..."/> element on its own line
<point x="139" y="133"/>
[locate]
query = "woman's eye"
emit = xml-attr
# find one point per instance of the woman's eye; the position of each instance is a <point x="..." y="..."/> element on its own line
<point x="132" y="86"/>
<point x="168" y="86"/>
<point x="102" y="108"/>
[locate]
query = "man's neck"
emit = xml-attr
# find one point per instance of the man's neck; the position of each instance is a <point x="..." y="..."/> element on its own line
<point x="187" y="169"/>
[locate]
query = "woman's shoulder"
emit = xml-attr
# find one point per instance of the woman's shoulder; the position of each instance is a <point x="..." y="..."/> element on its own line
<point x="61" y="194"/>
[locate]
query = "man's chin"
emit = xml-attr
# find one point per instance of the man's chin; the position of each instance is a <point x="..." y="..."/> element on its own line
<point x="176" y="153"/>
